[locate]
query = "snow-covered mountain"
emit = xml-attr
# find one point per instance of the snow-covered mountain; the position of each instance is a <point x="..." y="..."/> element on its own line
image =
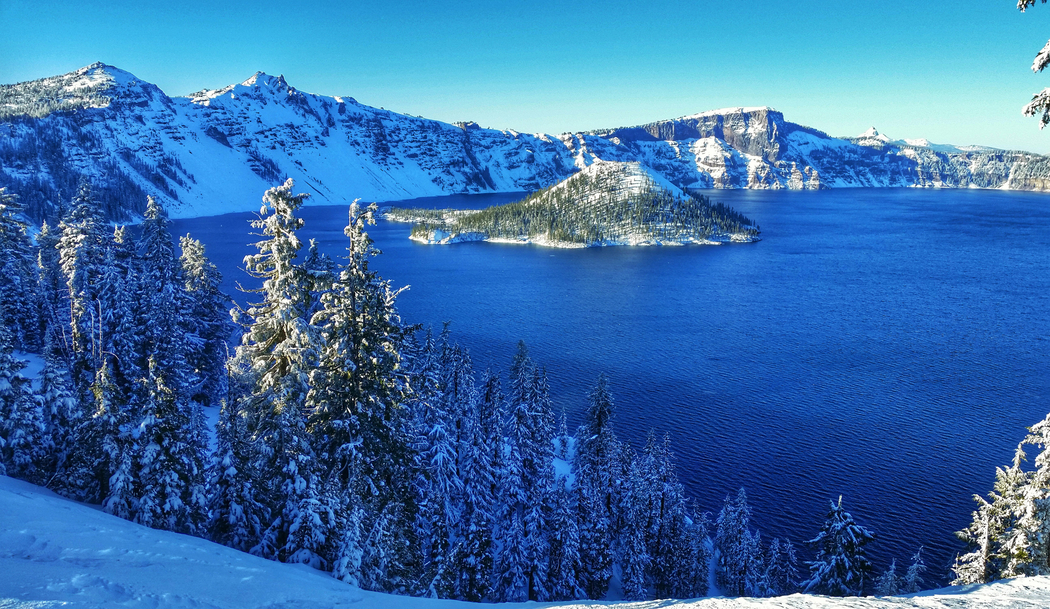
<point x="215" y="151"/>
<point x="58" y="553"/>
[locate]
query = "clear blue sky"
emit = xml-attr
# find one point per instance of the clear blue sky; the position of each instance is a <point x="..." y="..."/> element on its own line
<point x="951" y="72"/>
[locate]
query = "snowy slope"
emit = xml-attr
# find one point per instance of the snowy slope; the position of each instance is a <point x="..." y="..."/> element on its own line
<point x="215" y="151"/>
<point x="58" y="553"/>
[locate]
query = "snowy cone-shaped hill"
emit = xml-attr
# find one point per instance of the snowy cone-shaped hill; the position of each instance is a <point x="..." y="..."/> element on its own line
<point x="213" y="151"/>
<point x="606" y="203"/>
<point x="59" y="553"/>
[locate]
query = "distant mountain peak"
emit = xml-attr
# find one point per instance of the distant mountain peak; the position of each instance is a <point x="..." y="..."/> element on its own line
<point x="262" y="79"/>
<point x="873" y="134"/>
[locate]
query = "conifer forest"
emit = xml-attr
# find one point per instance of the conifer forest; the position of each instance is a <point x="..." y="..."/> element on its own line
<point x="351" y="441"/>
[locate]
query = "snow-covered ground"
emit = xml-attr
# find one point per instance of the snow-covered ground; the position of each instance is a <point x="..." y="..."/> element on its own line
<point x="59" y="553"/>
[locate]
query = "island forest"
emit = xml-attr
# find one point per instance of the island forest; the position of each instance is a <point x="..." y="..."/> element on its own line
<point x="352" y="442"/>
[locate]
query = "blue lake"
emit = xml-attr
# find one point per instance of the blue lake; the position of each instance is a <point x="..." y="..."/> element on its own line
<point x="890" y="345"/>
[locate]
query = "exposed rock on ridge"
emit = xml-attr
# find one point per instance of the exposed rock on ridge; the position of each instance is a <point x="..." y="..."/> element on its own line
<point x="214" y="151"/>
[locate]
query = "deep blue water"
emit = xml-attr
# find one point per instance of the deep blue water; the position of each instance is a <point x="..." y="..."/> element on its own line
<point x="890" y="346"/>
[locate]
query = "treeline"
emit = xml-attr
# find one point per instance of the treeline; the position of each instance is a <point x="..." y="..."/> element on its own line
<point x="346" y="440"/>
<point x="36" y="163"/>
<point x="592" y="208"/>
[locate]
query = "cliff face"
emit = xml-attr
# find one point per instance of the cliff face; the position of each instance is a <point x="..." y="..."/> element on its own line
<point x="215" y="151"/>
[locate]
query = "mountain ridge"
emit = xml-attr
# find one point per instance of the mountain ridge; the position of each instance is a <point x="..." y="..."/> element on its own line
<point x="214" y="151"/>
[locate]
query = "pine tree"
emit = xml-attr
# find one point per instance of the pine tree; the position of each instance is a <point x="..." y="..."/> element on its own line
<point x="512" y="573"/>
<point x="597" y="449"/>
<point x="595" y="541"/>
<point x="348" y="549"/>
<point x="169" y="464"/>
<point x="110" y="432"/>
<point x="840" y="567"/>
<point x="668" y="539"/>
<point x="52" y="291"/>
<point x="357" y="394"/>
<point x="888" y="584"/>
<point x="565" y="560"/>
<point x="236" y="514"/>
<point x="530" y="428"/>
<point x="734" y="546"/>
<point x="20" y="428"/>
<point x="1040" y="104"/>
<point x="634" y="553"/>
<point x="699" y="563"/>
<point x="781" y="574"/>
<point x="18" y="278"/>
<point x="81" y="250"/>
<point x="476" y="558"/>
<point x="994" y="531"/>
<point x="60" y="415"/>
<point x="208" y="322"/>
<point x="279" y="349"/>
<point x="913" y="578"/>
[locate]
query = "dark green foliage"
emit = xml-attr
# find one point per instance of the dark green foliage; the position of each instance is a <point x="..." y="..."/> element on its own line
<point x="590" y="208"/>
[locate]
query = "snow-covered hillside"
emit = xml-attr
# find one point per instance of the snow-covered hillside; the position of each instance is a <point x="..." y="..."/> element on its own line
<point x="214" y="151"/>
<point x="606" y="203"/>
<point x="58" y="553"/>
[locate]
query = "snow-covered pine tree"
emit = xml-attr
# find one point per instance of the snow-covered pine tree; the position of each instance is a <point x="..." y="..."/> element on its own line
<point x="125" y="317"/>
<point x="781" y="563"/>
<point x="1028" y="544"/>
<point x="235" y="513"/>
<point x="348" y="551"/>
<point x="358" y="392"/>
<point x="476" y="559"/>
<point x="734" y="546"/>
<point x="386" y="544"/>
<point x="888" y="584"/>
<point x="491" y="414"/>
<point x="512" y="584"/>
<point x="321" y="273"/>
<point x="109" y="430"/>
<point x="20" y="426"/>
<point x="840" y="567"/>
<point x="994" y="523"/>
<point x="18" y="276"/>
<point x="1040" y="104"/>
<point x="597" y="450"/>
<point x="81" y="248"/>
<point x="595" y="540"/>
<point x="170" y="466"/>
<point x="52" y="290"/>
<point x="59" y="412"/>
<point x="278" y="350"/>
<point x="439" y="507"/>
<point x="565" y="560"/>
<point x="208" y="321"/>
<point x="699" y="563"/>
<point x="530" y="429"/>
<point x="913" y="581"/>
<point x="634" y="553"/>
<point x="171" y="449"/>
<point x="668" y="538"/>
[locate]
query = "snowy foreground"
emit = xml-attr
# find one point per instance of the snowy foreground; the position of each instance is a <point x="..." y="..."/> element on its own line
<point x="55" y="552"/>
